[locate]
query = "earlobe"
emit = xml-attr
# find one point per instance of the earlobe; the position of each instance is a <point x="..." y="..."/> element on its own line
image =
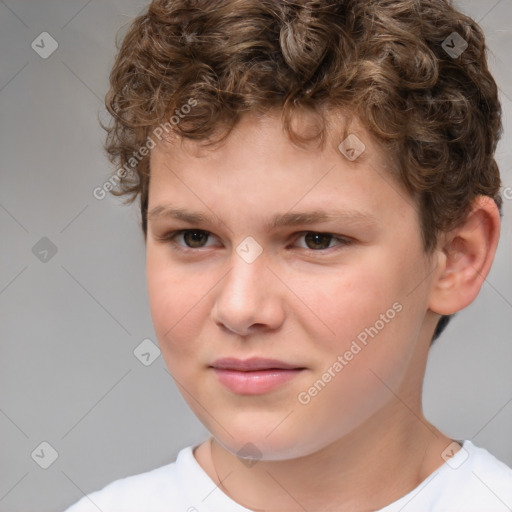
<point x="465" y="257"/>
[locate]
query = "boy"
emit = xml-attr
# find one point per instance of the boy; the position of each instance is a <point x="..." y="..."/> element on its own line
<point x="318" y="195"/>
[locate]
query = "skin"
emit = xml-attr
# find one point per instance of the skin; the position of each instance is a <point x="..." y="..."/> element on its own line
<point x="362" y="442"/>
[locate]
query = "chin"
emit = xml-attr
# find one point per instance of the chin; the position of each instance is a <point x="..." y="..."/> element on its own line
<point x="260" y="440"/>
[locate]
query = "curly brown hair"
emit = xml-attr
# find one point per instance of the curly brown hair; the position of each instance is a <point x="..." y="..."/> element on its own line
<point x="387" y="62"/>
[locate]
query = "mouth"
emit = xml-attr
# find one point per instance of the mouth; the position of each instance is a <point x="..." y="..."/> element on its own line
<point x="254" y="376"/>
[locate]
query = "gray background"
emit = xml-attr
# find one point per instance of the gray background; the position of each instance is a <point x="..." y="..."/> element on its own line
<point x="70" y="324"/>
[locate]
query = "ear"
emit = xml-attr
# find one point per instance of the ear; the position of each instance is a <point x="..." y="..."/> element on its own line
<point x="464" y="257"/>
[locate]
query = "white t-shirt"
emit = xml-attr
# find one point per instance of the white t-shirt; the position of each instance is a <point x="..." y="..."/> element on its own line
<point x="472" y="480"/>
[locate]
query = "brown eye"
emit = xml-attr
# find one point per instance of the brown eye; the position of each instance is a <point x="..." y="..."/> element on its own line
<point x="195" y="238"/>
<point x="318" y="240"/>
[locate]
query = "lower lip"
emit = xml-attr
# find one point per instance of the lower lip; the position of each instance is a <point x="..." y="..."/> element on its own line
<point x="255" y="382"/>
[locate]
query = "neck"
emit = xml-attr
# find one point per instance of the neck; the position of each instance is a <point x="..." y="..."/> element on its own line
<point x="387" y="457"/>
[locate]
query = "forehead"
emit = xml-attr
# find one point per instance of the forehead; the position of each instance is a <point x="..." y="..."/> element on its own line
<point x="258" y="168"/>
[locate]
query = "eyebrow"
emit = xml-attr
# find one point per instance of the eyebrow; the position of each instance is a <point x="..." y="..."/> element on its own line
<point x="279" y="220"/>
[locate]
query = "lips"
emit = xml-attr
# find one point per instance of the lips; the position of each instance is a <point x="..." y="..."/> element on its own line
<point x="253" y="364"/>
<point x="254" y="376"/>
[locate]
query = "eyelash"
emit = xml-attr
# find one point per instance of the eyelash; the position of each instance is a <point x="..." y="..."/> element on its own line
<point x="170" y="237"/>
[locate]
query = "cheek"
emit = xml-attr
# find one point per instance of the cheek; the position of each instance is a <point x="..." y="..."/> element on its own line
<point x="346" y="301"/>
<point x="368" y="356"/>
<point x="368" y="317"/>
<point x="178" y="300"/>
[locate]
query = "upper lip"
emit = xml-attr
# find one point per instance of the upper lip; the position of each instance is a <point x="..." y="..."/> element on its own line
<point x="252" y="364"/>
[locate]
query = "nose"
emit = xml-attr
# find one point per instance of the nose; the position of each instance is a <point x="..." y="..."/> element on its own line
<point x="249" y="298"/>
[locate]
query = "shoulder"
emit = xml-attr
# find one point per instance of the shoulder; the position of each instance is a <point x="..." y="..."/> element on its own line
<point x="153" y="490"/>
<point x="472" y="480"/>
<point x="486" y="477"/>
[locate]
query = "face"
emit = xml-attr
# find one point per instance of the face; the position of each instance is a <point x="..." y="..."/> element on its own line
<point x="287" y="286"/>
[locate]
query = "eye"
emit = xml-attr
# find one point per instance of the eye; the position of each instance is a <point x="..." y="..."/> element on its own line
<point x="189" y="238"/>
<point x="198" y="238"/>
<point x="321" y="241"/>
